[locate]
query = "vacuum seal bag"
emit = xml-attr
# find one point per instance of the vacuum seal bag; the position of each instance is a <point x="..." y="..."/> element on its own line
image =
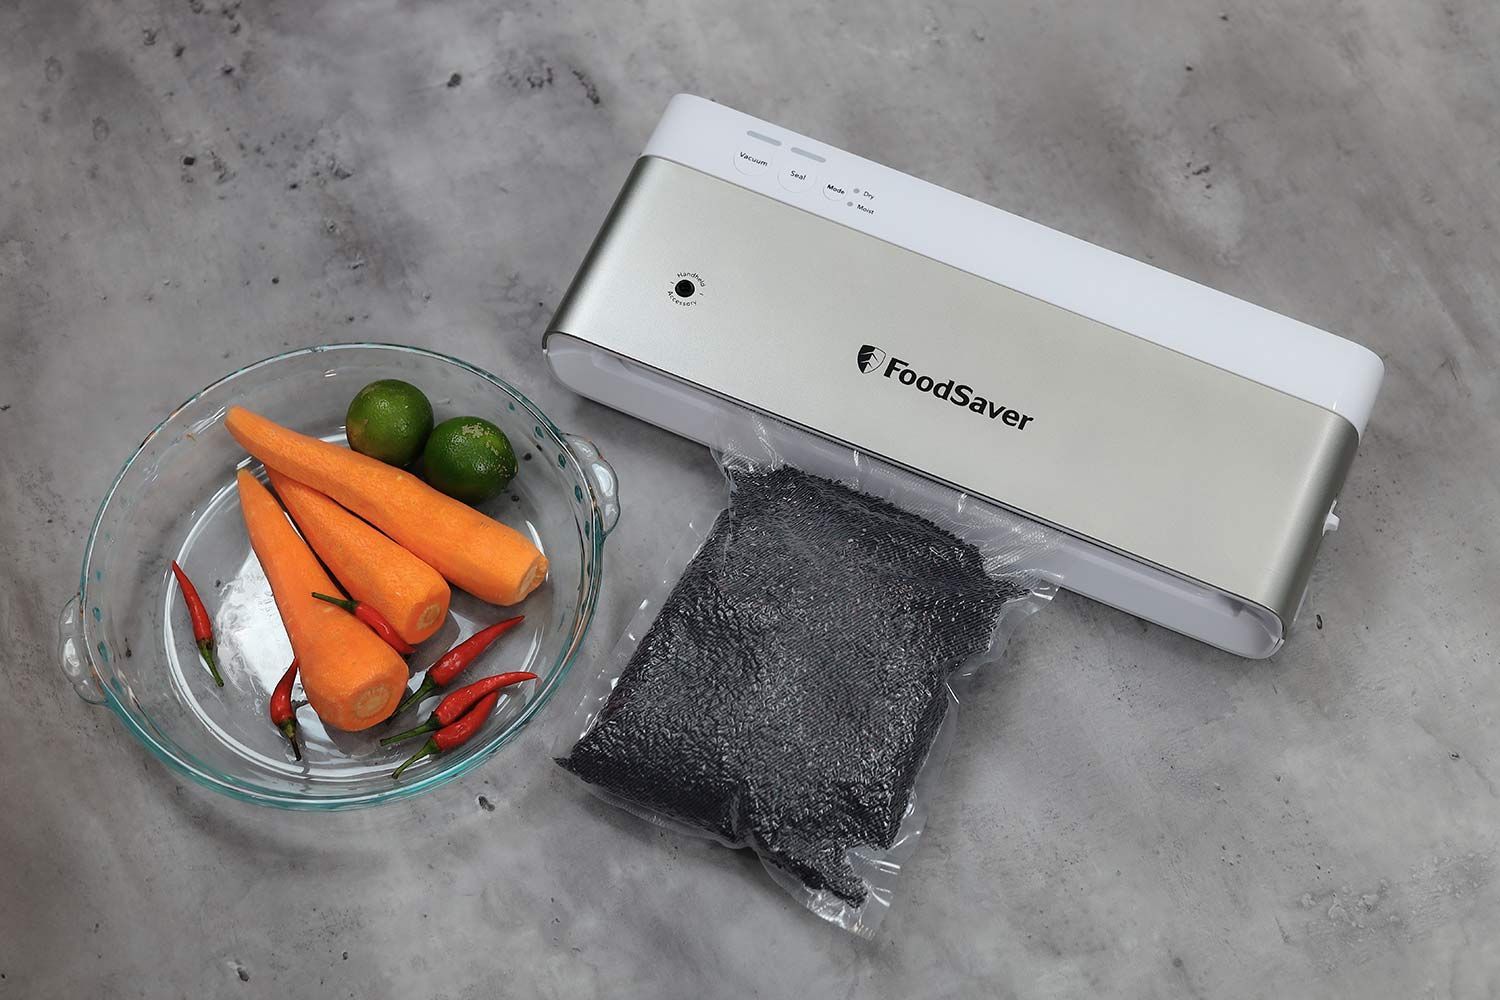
<point x="787" y="686"/>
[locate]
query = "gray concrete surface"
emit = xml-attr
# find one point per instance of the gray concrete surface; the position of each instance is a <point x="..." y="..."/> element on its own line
<point x="1127" y="813"/>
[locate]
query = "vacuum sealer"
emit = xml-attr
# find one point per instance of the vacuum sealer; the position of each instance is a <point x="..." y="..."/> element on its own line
<point x="1188" y="446"/>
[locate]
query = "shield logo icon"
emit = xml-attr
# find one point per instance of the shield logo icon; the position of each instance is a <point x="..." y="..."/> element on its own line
<point x="869" y="358"/>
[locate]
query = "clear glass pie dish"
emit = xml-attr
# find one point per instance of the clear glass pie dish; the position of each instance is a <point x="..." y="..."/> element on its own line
<point x="125" y="638"/>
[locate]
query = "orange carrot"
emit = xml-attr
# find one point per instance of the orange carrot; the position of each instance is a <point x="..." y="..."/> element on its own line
<point x="493" y="562"/>
<point x="411" y="595"/>
<point x="352" y="678"/>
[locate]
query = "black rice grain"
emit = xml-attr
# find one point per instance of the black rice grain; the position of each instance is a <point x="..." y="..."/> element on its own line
<point x="795" y="678"/>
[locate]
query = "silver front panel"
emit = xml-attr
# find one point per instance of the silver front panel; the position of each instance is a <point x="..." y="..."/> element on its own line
<point x="1140" y="449"/>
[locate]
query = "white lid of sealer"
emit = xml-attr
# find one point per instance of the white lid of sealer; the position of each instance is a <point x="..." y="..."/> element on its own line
<point x="1144" y="301"/>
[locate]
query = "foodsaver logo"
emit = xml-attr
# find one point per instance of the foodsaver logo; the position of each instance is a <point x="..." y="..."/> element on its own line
<point x="871" y="359"/>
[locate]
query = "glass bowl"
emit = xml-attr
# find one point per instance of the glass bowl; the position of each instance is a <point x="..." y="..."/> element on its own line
<point x="126" y="641"/>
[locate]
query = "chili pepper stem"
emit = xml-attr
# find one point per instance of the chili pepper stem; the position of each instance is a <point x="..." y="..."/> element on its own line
<point x="289" y="730"/>
<point x="372" y="618"/>
<point x="342" y="602"/>
<point x="206" y="649"/>
<point x="424" y="689"/>
<point x="431" y="725"/>
<point x="428" y="749"/>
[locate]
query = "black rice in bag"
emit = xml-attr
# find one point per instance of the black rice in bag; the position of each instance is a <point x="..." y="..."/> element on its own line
<point x="794" y="680"/>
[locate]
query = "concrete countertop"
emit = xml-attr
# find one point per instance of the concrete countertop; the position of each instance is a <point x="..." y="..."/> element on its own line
<point x="189" y="186"/>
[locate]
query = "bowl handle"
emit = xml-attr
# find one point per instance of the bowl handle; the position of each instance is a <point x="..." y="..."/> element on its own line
<point x="601" y="476"/>
<point x="75" y="661"/>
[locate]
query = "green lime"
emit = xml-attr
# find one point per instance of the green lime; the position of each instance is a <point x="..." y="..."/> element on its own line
<point x="389" y="420"/>
<point x="469" y="459"/>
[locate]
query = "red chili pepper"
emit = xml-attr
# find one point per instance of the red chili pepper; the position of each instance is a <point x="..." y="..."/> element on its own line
<point x="283" y="715"/>
<point x="374" y="619"/>
<point x="458" y="702"/>
<point x="454" y="734"/>
<point x="203" y="626"/>
<point x="453" y="662"/>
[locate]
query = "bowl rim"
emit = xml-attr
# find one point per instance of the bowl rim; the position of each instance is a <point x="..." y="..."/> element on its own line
<point x="592" y="541"/>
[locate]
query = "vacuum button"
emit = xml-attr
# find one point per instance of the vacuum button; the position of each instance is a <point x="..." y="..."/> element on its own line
<point x="751" y="162"/>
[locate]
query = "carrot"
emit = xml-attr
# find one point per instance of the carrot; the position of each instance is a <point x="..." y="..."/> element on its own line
<point x="411" y="595"/>
<point x="490" y="560"/>
<point x="352" y="678"/>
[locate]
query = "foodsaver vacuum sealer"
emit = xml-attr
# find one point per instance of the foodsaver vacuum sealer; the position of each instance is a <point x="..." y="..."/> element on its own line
<point x="1188" y="446"/>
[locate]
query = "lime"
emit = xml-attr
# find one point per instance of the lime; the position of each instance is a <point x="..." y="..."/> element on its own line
<point x="389" y="420"/>
<point x="469" y="459"/>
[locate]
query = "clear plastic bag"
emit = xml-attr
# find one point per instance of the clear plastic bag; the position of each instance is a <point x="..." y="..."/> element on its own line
<point x="787" y="685"/>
